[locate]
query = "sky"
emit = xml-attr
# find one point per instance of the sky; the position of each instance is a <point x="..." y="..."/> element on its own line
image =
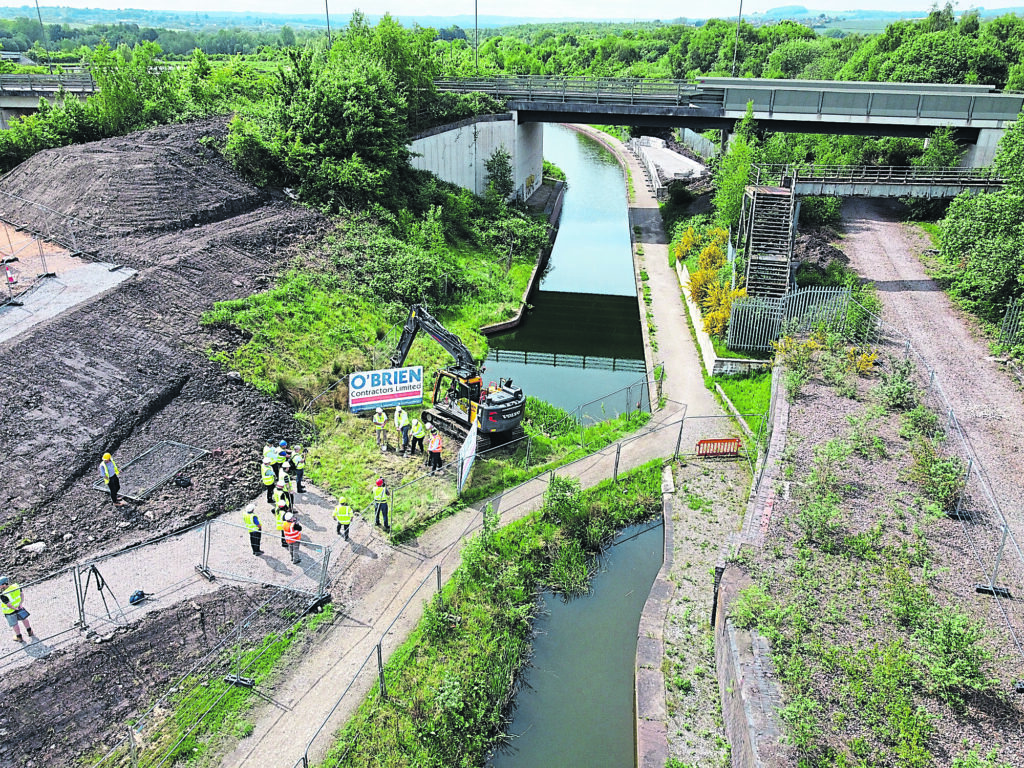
<point x="589" y="9"/>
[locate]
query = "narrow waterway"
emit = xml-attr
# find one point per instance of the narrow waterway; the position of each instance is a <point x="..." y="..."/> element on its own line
<point x="581" y="340"/>
<point x="576" y="707"/>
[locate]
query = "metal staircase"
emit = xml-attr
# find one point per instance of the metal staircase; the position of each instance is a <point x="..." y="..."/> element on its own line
<point x="768" y="214"/>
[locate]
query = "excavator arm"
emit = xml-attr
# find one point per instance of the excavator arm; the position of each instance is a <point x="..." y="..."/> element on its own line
<point x="420" y="319"/>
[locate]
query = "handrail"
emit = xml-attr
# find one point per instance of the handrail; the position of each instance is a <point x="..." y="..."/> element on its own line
<point x="905" y="174"/>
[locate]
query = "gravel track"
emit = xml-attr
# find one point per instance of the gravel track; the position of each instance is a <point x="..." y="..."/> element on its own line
<point x="986" y="400"/>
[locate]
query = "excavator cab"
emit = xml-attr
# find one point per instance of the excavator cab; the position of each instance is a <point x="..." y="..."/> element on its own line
<point x="458" y="395"/>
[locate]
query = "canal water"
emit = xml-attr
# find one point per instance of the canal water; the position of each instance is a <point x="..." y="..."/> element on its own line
<point x="582" y="339"/>
<point x="576" y="706"/>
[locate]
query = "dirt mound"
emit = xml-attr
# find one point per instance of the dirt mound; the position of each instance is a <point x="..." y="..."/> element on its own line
<point x="166" y="178"/>
<point x="57" y="709"/>
<point x="815" y="252"/>
<point x="129" y="368"/>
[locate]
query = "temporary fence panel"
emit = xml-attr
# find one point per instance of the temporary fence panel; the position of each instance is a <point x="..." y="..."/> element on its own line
<point x="148" y="471"/>
<point x="226" y="553"/>
<point x="1009" y="329"/>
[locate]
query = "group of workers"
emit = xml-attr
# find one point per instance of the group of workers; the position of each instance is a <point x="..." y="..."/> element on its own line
<point x="412" y="433"/>
<point x="281" y="473"/>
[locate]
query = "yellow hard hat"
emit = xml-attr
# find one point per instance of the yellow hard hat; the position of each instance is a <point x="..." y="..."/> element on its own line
<point x="341" y="501"/>
<point x="107" y="457"/>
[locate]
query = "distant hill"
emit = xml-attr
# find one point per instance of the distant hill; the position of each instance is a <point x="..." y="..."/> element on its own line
<point x="204" y="20"/>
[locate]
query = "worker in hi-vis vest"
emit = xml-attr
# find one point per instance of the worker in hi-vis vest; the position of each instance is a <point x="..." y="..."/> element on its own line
<point x="109" y="472"/>
<point x="434" y="450"/>
<point x="343" y="517"/>
<point x="299" y="462"/>
<point x="380" y="503"/>
<point x="380" y="422"/>
<point x="267" y="475"/>
<point x="418" y="432"/>
<point x="402" y="425"/>
<point x="254" y="527"/>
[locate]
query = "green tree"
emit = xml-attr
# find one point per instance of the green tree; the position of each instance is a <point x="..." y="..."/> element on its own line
<point x="500" y="179"/>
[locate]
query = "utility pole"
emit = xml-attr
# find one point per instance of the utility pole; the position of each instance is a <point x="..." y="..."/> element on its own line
<point x="476" y="35"/>
<point x="327" y="13"/>
<point x="736" y="45"/>
<point x="42" y="31"/>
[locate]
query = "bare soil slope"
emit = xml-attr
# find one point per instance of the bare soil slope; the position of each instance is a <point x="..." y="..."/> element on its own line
<point x="129" y="368"/>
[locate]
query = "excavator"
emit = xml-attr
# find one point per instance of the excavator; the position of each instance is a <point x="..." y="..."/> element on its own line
<point x="460" y="397"/>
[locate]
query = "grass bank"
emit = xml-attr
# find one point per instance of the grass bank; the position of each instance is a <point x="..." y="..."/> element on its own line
<point x="749" y="394"/>
<point x="451" y="683"/>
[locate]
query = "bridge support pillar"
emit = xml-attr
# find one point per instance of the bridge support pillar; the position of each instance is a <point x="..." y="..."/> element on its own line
<point x="983" y="151"/>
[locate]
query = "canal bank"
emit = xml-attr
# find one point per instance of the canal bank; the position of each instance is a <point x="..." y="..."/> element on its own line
<point x="581" y="337"/>
<point x="391" y="608"/>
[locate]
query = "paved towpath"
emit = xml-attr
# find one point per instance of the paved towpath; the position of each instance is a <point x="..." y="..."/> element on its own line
<point x="370" y="579"/>
<point x="300" y="704"/>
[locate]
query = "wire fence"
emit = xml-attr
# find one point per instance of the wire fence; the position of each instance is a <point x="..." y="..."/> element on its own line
<point x="675" y="437"/>
<point x="988" y="536"/>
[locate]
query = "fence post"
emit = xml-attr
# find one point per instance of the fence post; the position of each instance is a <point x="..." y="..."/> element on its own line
<point x="323" y="571"/>
<point x="931" y="380"/>
<point x="679" y="440"/>
<point x="906" y="352"/>
<point x="438" y="569"/>
<point x="580" y="409"/>
<point x="380" y="673"/>
<point x="132" y="750"/>
<point x="79" y="596"/>
<point x="967" y="479"/>
<point x="615" y="471"/>
<point x="949" y="423"/>
<point x="206" y="546"/>
<point x="529" y="444"/>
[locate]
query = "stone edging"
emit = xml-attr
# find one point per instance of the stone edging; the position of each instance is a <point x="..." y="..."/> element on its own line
<point x="554" y="216"/>
<point x="649" y="680"/>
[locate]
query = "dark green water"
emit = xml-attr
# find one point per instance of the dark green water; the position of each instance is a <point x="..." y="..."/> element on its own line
<point x="581" y="340"/>
<point x="576" y="707"/>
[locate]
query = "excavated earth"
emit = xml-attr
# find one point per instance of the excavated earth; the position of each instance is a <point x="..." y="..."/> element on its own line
<point x="128" y="368"/>
<point x="119" y="373"/>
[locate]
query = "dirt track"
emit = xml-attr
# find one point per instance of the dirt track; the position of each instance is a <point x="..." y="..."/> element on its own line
<point x="986" y="400"/>
<point x="128" y="368"/>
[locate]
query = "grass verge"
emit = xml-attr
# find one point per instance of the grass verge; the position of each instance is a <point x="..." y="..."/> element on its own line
<point x="451" y="683"/>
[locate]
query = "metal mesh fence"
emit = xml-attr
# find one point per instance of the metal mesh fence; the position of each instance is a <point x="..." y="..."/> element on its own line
<point x="152" y="468"/>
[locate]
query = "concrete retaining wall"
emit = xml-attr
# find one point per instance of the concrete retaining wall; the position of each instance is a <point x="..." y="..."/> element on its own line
<point x="748" y="686"/>
<point x="651" y="712"/>
<point x="458" y="152"/>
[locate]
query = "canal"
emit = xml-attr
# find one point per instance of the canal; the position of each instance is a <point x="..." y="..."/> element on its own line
<point x="575" y="705"/>
<point x="581" y="339"/>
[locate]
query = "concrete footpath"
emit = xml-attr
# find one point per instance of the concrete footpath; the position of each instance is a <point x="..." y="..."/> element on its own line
<point x="302" y="701"/>
<point x="370" y="579"/>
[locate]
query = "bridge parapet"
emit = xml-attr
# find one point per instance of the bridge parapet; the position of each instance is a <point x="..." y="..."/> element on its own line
<point x="787" y="175"/>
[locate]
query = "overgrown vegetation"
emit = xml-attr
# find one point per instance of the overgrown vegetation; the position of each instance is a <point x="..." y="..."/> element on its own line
<point x="451" y="682"/>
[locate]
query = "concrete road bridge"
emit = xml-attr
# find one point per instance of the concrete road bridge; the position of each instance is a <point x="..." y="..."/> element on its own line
<point x="977" y="113"/>
<point x="20" y="94"/>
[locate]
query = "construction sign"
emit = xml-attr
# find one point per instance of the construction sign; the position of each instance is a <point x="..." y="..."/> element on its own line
<point x="386" y="388"/>
<point x="466" y="455"/>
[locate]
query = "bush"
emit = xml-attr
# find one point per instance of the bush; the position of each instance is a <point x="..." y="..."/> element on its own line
<point x="942" y="479"/>
<point x="919" y="421"/>
<point x="898" y="391"/>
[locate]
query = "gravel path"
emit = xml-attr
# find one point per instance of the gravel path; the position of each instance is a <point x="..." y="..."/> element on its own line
<point x="985" y="399"/>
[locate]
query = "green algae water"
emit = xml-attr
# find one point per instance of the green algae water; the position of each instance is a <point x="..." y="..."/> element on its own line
<point x="581" y="339"/>
<point x="575" y="705"/>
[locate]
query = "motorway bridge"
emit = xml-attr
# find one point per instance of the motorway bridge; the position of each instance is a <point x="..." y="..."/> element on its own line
<point x="977" y="113"/>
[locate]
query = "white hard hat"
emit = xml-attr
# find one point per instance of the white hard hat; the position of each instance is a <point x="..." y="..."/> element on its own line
<point x="289" y="516"/>
<point x="380" y="410"/>
<point x="250" y="508"/>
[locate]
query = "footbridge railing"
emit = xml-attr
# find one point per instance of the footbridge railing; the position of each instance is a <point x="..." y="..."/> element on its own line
<point x="77" y="83"/>
<point x="787" y="175"/>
